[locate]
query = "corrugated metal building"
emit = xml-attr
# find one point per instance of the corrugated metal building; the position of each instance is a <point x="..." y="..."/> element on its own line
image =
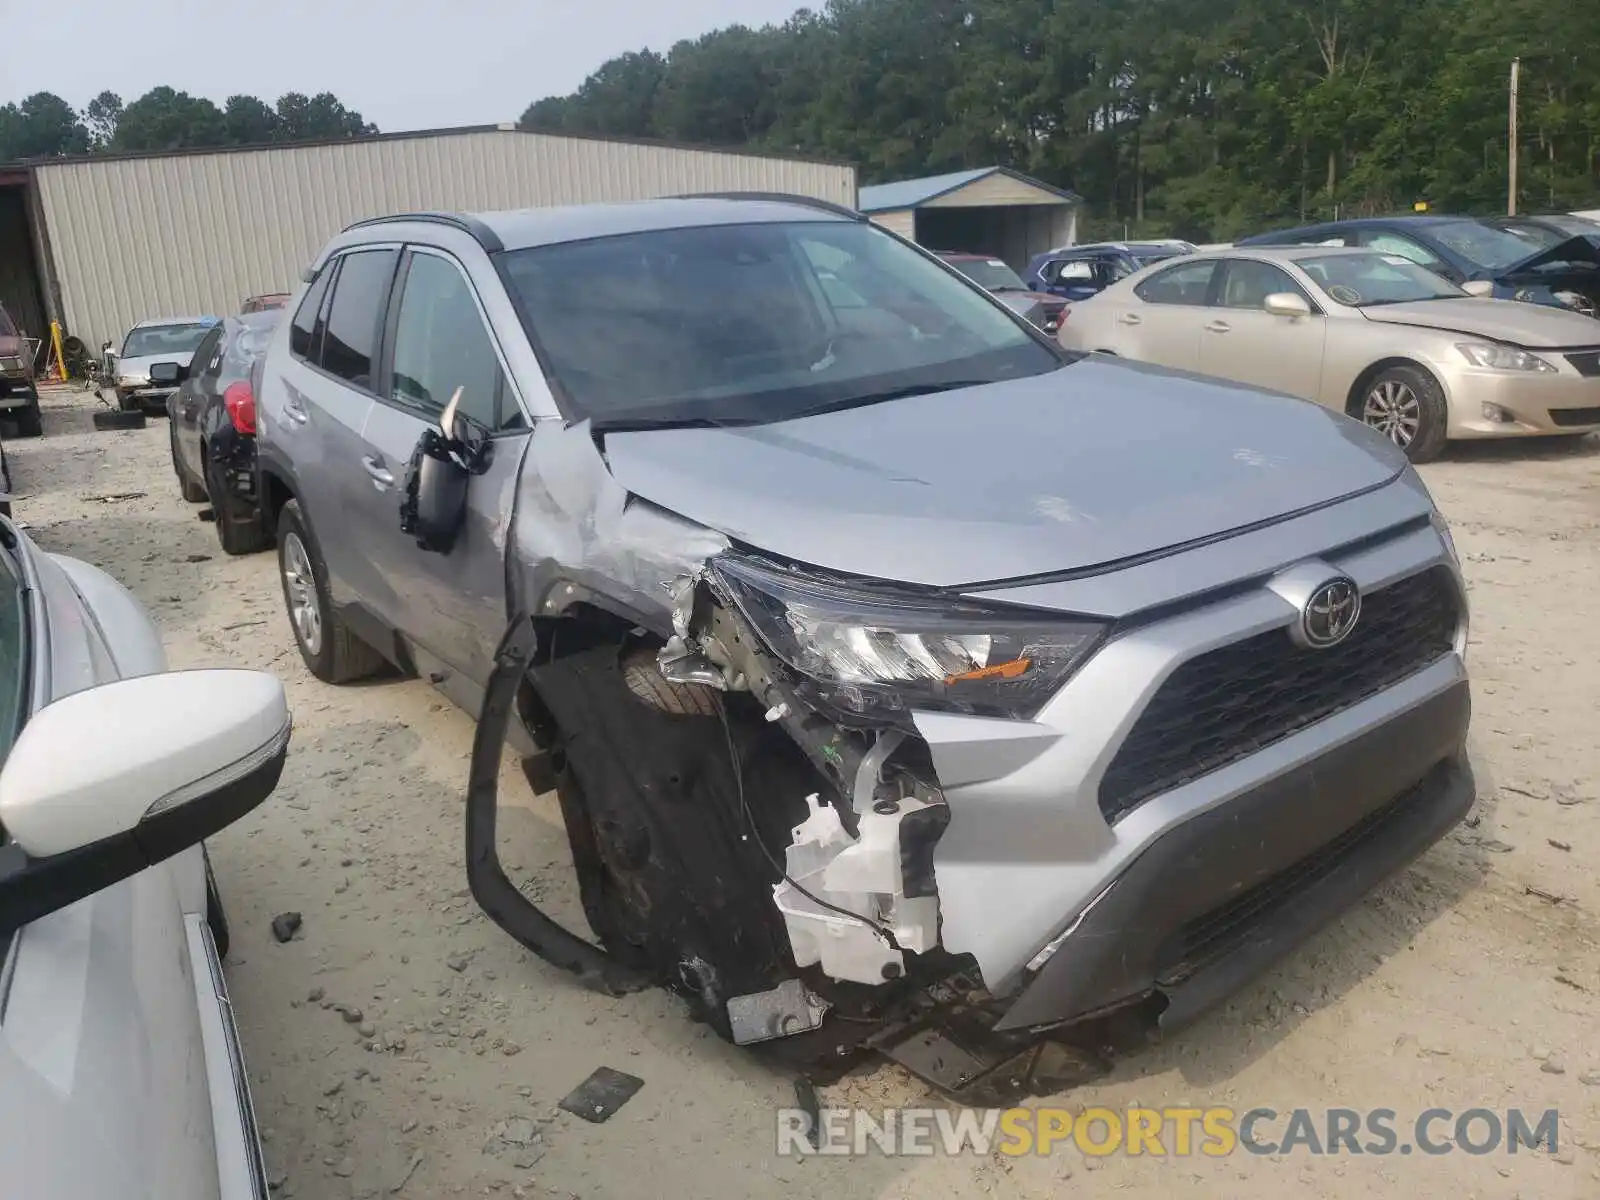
<point x="990" y="210"/>
<point x="114" y="240"/>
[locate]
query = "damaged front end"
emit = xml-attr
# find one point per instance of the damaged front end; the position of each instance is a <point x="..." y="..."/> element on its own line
<point x="753" y="815"/>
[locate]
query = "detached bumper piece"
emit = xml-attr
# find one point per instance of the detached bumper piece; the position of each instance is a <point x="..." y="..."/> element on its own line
<point x="1222" y="897"/>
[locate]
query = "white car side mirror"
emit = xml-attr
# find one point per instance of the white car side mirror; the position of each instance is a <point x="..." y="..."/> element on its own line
<point x="106" y="782"/>
<point x="1478" y="287"/>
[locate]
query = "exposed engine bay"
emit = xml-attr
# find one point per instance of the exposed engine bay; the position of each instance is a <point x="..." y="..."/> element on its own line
<point x="748" y="842"/>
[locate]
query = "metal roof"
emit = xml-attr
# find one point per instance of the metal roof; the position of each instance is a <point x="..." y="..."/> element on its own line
<point x="909" y="193"/>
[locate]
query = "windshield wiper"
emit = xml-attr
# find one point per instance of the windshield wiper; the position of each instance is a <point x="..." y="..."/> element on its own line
<point x="883" y="397"/>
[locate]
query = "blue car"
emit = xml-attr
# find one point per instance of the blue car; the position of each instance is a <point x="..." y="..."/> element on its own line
<point x="1078" y="272"/>
<point x="1560" y="272"/>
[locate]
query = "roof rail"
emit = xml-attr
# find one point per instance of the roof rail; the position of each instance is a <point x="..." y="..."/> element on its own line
<point x="481" y="233"/>
<point x="777" y="198"/>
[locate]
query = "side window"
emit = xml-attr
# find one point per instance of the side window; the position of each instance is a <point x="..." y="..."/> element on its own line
<point x="207" y="355"/>
<point x="1393" y="243"/>
<point x="1186" y="284"/>
<point x="441" y="344"/>
<point x="359" y="297"/>
<point x="301" y="342"/>
<point x="1075" y="270"/>
<point x="1247" y="283"/>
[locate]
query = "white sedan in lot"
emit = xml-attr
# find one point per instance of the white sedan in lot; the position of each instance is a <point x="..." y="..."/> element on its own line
<point x="1366" y="333"/>
<point x="120" y="1071"/>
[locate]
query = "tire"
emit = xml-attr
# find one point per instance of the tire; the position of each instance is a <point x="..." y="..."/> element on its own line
<point x="118" y="420"/>
<point x="192" y="491"/>
<point x="216" y="917"/>
<point x="30" y="421"/>
<point x="1407" y="405"/>
<point x="237" y="534"/>
<point x="331" y="652"/>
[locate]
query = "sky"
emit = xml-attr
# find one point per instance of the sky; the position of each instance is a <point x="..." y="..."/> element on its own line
<point x="403" y="64"/>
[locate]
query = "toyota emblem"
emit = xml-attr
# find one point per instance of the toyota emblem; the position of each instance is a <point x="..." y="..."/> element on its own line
<point x="1331" y="613"/>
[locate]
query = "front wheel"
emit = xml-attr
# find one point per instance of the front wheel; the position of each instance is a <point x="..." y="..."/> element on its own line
<point x="1407" y="406"/>
<point x="331" y="652"/>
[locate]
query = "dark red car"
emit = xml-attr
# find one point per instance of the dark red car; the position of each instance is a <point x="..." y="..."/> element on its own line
<point x="265" y="303"/>
<point x="993" y="275"/>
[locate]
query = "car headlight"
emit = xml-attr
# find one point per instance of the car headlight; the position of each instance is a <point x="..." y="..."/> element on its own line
<point x="1501" y="358"/>
<point x="881" y="653"/>
<point x="132" y="380"/>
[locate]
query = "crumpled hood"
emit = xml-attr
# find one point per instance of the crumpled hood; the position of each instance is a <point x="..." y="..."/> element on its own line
<point x="138" y="367"/>
<point x="1582" y="248"/>
<point x="1511" y="321"/>
<point x="1100" y="461"/>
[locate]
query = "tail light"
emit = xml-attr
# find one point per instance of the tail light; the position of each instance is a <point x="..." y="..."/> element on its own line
<point x="241" y="404"/>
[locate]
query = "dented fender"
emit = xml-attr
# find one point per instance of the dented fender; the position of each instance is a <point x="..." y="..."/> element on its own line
<point x="581" y="538"/>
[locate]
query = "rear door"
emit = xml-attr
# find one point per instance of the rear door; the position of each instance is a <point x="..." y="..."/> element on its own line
<point x="188" y="401"/>
<point x="439" y="341"/>
<point x="1243" y="341"/>
<point x="1164" y="324"/>
<point x="330" y="392"/>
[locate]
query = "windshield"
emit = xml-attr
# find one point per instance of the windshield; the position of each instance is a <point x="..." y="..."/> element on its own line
<point x="1490" y="248"/>
<point x="1362" y="280"/>
<point x="753" y="323"/>
<point x="989" y="273"/>
<point x="153" y="340"/>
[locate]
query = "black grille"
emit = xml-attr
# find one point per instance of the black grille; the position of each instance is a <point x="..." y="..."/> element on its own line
<point x="1587" y="363"/>
<point x="1214" y="934"/>
<point x="1575" y="416"/>
<point x="1234" y="701"/>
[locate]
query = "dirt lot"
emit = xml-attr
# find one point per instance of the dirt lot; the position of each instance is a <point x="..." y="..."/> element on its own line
<point x="1470" y="981"/>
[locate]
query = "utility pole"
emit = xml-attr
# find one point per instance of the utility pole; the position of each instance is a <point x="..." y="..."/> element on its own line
<point x="1511" y="195"/>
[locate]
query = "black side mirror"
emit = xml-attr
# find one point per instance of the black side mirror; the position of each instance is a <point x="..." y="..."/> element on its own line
<point x="167" y="374"/>
<point x="433" y="505"/>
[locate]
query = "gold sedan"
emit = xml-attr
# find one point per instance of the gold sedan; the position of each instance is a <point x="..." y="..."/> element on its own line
<point x="1371" y="334"/>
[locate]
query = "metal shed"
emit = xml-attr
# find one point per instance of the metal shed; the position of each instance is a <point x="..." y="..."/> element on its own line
<point x="991" y="210"/>
<point x="123" y="238"/>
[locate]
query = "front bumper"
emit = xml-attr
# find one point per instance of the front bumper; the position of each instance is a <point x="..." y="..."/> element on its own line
<point x="1029" y="847"/>
<point x="1530" y="404"/>
<point x="1226" y="894"/>
<point x="145" y="397"/>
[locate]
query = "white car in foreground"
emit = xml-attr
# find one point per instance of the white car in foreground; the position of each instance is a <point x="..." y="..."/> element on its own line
<point x="120" y="1071"/>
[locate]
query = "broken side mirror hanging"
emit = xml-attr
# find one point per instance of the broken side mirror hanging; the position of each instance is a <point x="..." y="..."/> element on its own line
<point x="433" y="505"/>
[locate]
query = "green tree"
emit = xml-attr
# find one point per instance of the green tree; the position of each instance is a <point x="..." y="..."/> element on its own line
<point x="248" y="121"/>
<point x="164" y="119"/>
<point x="102" y="115"/>
<point x="42" y="126"/>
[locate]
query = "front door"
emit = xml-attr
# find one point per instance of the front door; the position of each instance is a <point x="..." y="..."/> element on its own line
<point x="1240" y="340"/>
<point x="440" y="343"/>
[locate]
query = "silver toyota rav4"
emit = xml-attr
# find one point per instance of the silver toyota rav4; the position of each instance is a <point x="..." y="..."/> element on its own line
<point x="909" y="684"/>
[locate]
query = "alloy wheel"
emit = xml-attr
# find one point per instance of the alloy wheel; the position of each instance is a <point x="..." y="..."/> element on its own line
<point x="1392" y="408"/>
<point x="301" y="585"/>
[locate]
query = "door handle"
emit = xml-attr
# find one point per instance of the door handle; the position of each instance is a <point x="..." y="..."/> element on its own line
<point x="381" y="476"/>
<point x="1218" y="327"/>
<point x="295" y="413"/>
<point x="1129" y="318"/>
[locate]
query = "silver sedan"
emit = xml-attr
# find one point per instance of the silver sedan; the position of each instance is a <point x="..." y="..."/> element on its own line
<point x="1369" y="334"/>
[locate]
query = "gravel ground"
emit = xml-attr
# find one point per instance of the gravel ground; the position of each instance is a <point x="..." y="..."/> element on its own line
<point x="402" y="1045"/>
